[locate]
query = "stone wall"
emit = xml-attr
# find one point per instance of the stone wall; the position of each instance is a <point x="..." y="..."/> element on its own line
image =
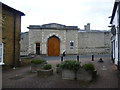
<point x="24" y="44"/>
<point x="35" y="36"/>
<point x="72" y="35"/>
<point x="85" y="41"/>
<point x="42" y="35"/>
<point x="94" y="42"/>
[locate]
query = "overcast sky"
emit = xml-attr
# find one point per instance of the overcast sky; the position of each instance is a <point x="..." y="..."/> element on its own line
<point x="67" y="12"/>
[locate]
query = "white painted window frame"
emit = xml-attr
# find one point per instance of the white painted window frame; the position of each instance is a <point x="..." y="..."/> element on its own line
<point x="1" y="46"/>
<point x="71" y="47"/>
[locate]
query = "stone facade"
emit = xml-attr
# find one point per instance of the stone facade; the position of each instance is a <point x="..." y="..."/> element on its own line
<point x="84" y="41"/>
<point x="11" y="28"/>
<point x="94" y="42"/>
<point x="25" y="44"/>
<point x="42" y="34"/>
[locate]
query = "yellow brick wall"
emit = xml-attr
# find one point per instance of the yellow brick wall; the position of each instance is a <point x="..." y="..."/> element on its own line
<point x="8" y="37"/>
<point x="17" y="35"/>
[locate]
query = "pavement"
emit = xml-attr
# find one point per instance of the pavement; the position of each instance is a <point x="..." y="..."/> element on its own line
<point x="21" y="77"/>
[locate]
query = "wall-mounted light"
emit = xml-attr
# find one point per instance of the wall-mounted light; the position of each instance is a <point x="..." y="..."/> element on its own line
<point x="112" y="26"/>
<point x="110" y="17"/>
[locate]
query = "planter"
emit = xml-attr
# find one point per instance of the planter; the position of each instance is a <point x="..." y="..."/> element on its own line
<point x="68" y="74"/>
<point x="84" y="75"/>
<point x="58" y="70"/>
<point x="35" y="67"/>
<point x="45" y="72"/>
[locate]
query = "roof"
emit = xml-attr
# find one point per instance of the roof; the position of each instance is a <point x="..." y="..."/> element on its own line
<point x="53" y="26"/>
<point x="102" y="31"/>
<point x="12" y="9"/>
<point x="113" y="12"/>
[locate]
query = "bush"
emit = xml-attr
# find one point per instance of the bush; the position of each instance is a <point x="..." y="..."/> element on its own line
<point x="89" y="67"/>
<point x="58" y="65"/>
<point x="47" y="66"/>
<point x="70" y="64"/>
<point x="37" y="61"/>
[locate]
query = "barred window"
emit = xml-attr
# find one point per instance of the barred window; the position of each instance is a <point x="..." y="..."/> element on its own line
<point x="71" y="44"/>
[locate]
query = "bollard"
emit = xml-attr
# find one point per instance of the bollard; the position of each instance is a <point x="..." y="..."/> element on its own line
<point x="61" y="58"/>
<point x="78" y="58"/>
<point x="92" y="57"/>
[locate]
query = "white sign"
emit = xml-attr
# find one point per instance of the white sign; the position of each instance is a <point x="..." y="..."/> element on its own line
<point x="1" y="53"/>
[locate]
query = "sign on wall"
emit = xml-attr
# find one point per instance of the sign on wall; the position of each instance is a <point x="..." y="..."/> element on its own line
<point x="1" y="53"/>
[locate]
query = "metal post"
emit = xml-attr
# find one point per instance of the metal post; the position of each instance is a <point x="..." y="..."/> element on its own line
<point x="92" y="57"/>
<point x="77" y="57"/>
<point x="61" y="58"/>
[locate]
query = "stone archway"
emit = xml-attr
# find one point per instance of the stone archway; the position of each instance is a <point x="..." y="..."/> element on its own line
<point x="53" y="46"/>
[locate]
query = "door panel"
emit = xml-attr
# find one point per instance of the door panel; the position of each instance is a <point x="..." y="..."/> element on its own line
<point x="53" y="46"/>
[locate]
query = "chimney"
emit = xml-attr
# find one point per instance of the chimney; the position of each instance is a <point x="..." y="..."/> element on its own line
<point x="85" y="27"/>
<point x="88" y="27"/>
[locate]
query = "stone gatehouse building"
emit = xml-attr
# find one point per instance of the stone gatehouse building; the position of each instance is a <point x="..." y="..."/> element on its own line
<point x="51" y="39"/>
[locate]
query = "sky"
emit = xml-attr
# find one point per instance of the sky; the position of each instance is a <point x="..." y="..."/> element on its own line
<point x="66" y="12"/>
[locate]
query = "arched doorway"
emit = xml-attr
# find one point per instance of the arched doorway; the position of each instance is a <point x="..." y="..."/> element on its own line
<point x="53" y="46"/>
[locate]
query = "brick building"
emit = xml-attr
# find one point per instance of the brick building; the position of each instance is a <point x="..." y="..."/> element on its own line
<point x="10" y="29"/>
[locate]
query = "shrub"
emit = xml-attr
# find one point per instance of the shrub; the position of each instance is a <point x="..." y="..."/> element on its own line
<point x="70" y="64"/>
<point x="89" y="67"/>
<point x="58" y="65"/>
<point x="47" y="66"/>
<point x="37" y="61"/>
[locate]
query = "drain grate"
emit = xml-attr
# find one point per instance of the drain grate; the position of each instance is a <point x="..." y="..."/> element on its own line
<point x="104" y="68"/>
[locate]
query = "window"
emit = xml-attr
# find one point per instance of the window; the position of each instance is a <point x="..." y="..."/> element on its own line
<point x="1" y="54"/>
<point x="71" y="44"/>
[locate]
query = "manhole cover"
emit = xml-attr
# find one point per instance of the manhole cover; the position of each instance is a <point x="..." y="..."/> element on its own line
<point x="16" y="77"/>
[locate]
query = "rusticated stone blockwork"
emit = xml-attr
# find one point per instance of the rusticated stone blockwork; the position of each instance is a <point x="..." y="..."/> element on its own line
<point x="72" y="39"/>
<point x="94" y="42"/>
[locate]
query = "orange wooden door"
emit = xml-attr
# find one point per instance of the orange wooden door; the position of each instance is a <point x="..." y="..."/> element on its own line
<point x="53" y="46"/>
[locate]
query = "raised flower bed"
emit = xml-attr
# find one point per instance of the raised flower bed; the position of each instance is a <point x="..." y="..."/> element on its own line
<point x="86" y="73"/>
<point x="45" y="71"/>
<point x="69" y="68"/>
<point x="37" y="65"/>
<point x="58" y="69"/>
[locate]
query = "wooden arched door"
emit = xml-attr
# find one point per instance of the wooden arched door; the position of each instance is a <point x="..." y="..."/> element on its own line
<point x="53" y="46"/>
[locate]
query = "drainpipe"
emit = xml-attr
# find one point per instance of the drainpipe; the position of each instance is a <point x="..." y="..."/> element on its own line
<point x="14" y="28"/>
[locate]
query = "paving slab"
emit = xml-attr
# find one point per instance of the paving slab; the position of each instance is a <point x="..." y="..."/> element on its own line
<point x="21" y="77"/>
